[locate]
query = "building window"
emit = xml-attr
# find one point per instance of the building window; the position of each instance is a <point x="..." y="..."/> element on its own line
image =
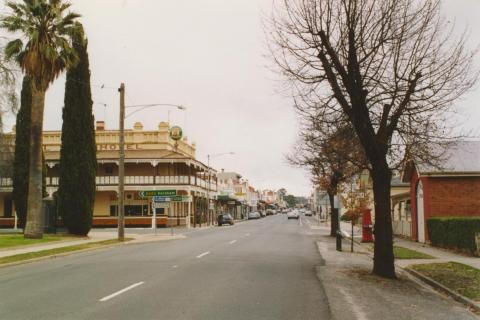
<point x="130" y="210"/>
<point x="109" y="169"/>
<point x="7" y="208"/>
<point x="133" y="210"/>
<point x="408" y="211"/>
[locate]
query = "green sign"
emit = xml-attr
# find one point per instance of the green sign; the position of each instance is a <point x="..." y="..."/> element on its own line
<point x="176" y="133"/>
<point x="155" y="193"/>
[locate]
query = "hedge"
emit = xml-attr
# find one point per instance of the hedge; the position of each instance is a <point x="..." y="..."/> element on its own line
<point x="454" y="232"/>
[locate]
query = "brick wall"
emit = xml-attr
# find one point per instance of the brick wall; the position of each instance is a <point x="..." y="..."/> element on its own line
<point x="454" y="196"/>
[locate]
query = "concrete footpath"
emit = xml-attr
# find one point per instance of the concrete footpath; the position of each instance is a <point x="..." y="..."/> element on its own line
<point x="139" y="235"/>
<point x="440" y="255"/>
<point x="353" y="292"/>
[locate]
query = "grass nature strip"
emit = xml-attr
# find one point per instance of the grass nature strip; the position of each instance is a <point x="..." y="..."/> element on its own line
<point x="405" y="253"/>
<point x="17" y="240"/>
<point x="456" y="276"/>
<point x="61" y="250"/>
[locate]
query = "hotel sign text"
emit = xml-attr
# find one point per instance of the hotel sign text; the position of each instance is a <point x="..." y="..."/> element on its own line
<point x="115" y="146"/>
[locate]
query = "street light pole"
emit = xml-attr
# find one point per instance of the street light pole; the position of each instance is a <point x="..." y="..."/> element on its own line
<point x="208" y="191"/>
<point x="121" y="167"/>
<point x="121" y="162"/>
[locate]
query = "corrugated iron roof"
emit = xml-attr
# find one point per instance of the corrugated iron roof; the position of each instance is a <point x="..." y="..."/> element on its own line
<point x="460" y="157"/>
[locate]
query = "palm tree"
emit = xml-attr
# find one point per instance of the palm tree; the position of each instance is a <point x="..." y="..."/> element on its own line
<point x="43" y="51"/>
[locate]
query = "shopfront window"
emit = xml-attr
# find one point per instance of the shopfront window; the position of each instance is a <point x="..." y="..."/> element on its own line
<point x="131" y="210"/>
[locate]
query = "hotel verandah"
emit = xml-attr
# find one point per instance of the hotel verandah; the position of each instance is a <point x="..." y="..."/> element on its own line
<point x="153" y="161"/>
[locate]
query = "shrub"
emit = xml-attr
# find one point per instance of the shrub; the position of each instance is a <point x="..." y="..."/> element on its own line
<point x="454" y="232"/>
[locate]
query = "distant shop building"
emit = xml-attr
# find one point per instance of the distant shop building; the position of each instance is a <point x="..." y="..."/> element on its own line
<point x="232" y="194"/>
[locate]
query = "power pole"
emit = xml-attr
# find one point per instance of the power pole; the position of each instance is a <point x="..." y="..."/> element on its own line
<point x="121" y="167"/>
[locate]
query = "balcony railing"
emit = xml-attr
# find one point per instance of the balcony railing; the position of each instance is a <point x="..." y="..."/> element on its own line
<point x="172" y="180"/>
<point x="134" y="180"/>
<point x="6" y="182"/>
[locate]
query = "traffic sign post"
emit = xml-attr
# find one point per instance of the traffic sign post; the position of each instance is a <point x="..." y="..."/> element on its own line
<point x="162" y="199"/>
<point x="154" y="217"/>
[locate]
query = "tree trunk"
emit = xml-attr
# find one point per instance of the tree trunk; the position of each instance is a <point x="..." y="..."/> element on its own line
<point x="383" y="263"/>
<point x="34" y="226"/>
<point x="334" y="215"/>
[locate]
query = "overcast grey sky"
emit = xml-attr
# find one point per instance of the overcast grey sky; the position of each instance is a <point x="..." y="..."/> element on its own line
<point x="209" y="56"/>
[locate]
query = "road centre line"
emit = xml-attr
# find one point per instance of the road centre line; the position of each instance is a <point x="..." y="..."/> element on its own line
<point x="247" y="234"/>
<point x="121" y="291"/>
<point x="203" y="254"/>
<point x="233" y="241"/>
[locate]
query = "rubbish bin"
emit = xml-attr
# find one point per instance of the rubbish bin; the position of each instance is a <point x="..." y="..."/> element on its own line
<point x="339" y="240"/>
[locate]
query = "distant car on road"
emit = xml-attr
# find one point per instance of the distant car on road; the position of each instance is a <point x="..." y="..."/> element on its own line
<point x="225" y="218"/>
<point x="270" y="212"/>
<point x="253" y="215"/>
<point x="293" y="214"/>
<point x="308" y="213"/>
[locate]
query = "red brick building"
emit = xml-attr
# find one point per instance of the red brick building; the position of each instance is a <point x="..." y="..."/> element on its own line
<point x="452" y="188"/>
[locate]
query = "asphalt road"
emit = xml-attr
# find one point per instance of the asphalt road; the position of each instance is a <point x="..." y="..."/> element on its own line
<point x="262" y="269"/>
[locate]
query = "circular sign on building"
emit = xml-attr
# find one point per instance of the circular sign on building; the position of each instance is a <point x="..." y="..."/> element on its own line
<point x="176" y="133"/>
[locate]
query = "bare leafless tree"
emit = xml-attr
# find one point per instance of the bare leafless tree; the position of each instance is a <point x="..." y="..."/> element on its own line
<point x="332" y="155"/>
<point x="391" y="68"/>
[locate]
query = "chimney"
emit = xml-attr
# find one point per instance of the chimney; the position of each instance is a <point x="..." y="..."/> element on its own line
<point x="100" y="126"/>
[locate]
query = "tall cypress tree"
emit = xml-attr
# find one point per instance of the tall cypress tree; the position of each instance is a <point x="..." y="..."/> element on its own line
<point x="22" y="143"/>
<point x="78" y="162"/>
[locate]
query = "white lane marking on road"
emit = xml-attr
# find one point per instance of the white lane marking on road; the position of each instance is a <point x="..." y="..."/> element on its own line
<point x="121" y="291"/>
<point x="203" y="254"/>
<point x="233" y="241"/>
<point x="247" y="234"/>
<point x="175" y="266"/>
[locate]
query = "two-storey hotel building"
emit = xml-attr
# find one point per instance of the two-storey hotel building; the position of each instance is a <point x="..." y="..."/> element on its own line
<point x="153" y="161"/>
